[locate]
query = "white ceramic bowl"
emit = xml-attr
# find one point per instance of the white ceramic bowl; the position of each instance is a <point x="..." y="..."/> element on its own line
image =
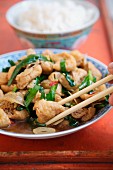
<point x="68" y="39"/>
<point x="15" y="56"/>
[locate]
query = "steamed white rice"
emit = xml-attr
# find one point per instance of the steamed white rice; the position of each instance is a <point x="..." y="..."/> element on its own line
<point x="54" y="17"/>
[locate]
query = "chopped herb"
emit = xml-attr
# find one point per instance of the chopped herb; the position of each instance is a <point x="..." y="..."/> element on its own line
<point x="88" y="80"/>
<point x="11" y="62"/>
<point x="65" y="91"/>
<point x="41" y="90"/>
<point x="107" y="98"/>
<point x="51" y="95"/>
<point x="94" y="79"/>
<point x="30" y="110"/>
<point x="70" y="80"/>
<point x="15" y="89"/>
<point x="32" y="91"/>
<point x="67" y="76"/>
<point x="100" y="105"/>
<point x="91" y="92"/>
<point x="41" y="78"/>
<point x="63" y="66"/>
<point x="7" y="68"/>
<point x="72" y="122"/>
<point x="43" y="58"/>
<point x="30" y="95"/>
<point x="30" y="59"/>
<point x="34" y="122"/>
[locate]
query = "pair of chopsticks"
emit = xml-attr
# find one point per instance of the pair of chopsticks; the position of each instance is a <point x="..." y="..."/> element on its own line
<point x="85" y="102"/>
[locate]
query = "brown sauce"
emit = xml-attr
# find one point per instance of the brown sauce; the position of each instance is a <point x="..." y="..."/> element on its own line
<point x="25" y="128"/>
<point x="19" y="127"/>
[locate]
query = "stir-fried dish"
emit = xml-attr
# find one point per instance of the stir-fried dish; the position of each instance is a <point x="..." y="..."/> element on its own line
<point x="31" y="88"/>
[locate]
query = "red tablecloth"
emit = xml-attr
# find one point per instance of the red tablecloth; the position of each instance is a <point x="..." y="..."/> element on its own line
<point x="98" y="136"/>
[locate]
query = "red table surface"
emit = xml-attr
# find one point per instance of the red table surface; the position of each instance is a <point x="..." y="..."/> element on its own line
<point x="98" y="136"/>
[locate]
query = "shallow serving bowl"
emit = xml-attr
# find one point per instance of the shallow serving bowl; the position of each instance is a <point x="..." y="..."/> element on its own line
<point x="68" y="40"/>
<point x="15" y="56"/>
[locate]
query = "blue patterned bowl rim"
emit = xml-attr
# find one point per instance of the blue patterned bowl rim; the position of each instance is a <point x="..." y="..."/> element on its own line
<point x="102" y="67"/>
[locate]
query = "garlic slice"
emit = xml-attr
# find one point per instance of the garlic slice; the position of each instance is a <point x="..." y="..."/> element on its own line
<point x="43" y="130"/>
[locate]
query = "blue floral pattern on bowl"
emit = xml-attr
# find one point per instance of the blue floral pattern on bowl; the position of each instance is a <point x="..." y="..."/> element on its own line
<point x="68" y="42"/>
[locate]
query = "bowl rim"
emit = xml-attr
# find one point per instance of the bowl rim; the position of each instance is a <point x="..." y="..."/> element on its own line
<point x="56" y="134"/>
<point x="85" y="26"/>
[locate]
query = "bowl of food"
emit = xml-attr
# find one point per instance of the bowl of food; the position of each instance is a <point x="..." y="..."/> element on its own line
<point x="32" y="85"/>
<point x="55" y="24"/>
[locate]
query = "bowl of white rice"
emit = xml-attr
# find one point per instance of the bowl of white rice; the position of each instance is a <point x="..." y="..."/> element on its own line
<point x="53" y="23"/>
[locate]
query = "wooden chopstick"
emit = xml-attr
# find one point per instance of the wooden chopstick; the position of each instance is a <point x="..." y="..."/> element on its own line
<point x="87" y="89"/>
<point x="80" y="105"/>
<point x="86" y="102"/>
